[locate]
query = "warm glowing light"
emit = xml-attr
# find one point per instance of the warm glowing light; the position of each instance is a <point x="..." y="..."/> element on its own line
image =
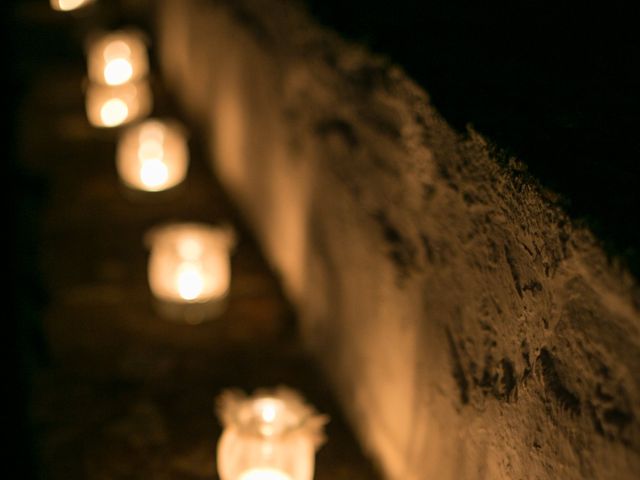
<point x="189" y="248"/>
<point x="154" y="173"/>
<point x="118" y="71"/>
<point x="189" y="281"/>
<point x="114" y="106"/>
<point x="118" y="57"/>
<point x="150" y="149"/>
<point x="153" y="156"/>
<point x="268" y="412"/>
<point x="272" y="435"/>
<point x="189" y="269"/>
<point x="115" y="49"/>
<point x="68" y="5"/>
<point x="113" y="112"/>
<point x="153" y="130"/>
<point x="264" y="474"/>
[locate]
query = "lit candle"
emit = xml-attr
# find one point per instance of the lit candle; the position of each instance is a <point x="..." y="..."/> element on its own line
<point x="264" y="474"/>
<point x="108" y="106"/>
<point x="68" y="5"/>
<point x="117" y="57"/>
<point x="272" y="435"/>
<point x="189" y="269"/>
<point x="153" y="155"/>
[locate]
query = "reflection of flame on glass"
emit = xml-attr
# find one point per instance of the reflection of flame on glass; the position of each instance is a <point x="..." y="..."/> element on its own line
<point x="190" y="249"/>
<point x="264" y="474"/>
<point x="152" y="131"/>
<point x="114" y="112"/>
<point x="189" y="281"/>
<point x="116" y="49"/>
<point x="68" y="5"/>
<point x="150" y="149"/>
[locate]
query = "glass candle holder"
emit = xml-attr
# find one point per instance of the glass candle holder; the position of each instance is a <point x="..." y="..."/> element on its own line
<point x="271" y="435"/>
<point x="189" y="270"/>
<point x="109" y="107"/>
<point x="153" y="156"/>
<point x="118" y="57"/>
<point x="69" y="5"/>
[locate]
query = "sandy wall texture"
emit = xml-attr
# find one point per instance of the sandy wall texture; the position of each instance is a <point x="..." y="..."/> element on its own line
<point x="469" y="329"/>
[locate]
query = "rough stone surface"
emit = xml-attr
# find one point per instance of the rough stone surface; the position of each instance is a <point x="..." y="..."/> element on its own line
<point x="470" y="330"/>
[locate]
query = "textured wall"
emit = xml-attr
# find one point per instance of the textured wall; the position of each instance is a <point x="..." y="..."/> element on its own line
<point x="469" y="329"/>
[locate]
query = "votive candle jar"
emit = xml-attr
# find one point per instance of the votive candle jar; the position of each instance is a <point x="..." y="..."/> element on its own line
<point x="270" y="435"/>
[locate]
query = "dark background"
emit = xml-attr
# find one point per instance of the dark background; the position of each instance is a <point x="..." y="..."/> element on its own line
<point x="553" y="84"/>
<point x="33" y="40"/>
<point x="23" y="290"/>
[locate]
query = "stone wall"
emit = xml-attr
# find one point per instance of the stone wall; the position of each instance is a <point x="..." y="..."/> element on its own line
<point x="469" y="329"/>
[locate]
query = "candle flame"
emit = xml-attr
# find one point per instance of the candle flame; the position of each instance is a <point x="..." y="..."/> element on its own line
<point x="118" y="71"/>
<point x="189" y="281"/>
<point x="67" y="5"/>
<point x="154" y="173"/>
<point x="264" y="474"/>
<point x="268" y="412"/>
<point x="114" y="112"/>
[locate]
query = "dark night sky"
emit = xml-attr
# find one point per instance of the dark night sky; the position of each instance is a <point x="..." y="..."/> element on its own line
<point x="555" y="84"/>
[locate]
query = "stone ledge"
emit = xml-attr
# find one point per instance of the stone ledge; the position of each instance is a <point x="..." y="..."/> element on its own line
<point x="471" y="331"/>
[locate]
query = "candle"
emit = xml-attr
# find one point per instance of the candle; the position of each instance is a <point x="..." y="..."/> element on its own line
<point x="271" y="435"/>
<point x="116" y="58"/>
<point x="153" y="155"/>
<point x="189" y="269"/>
<point x="109" y="106"/>
<point x="264" y="474"/>
<point x="68" y="5"/>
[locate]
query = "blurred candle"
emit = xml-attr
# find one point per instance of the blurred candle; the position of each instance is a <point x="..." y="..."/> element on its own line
<point x="189" y="269"/>
<point x="109" y="106"/>
<point x="271" y="435"/>
<point x="117" y="57"/>
<point x="153" y="156"/>
<point x="68" y="5"/>
<point x="264" y="474"/>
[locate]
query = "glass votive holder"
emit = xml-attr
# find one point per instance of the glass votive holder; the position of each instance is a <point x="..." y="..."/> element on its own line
<point x="69" y="5"/>
<point x="189" y="270"/>
<point x="152" y="156"/>
<point x="117" y="57"/>
<point x="270" y="435"/>
<point x="109" y="107"/>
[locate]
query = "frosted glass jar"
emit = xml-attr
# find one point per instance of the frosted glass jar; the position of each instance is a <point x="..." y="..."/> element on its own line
<point x="152" y="156"/>
<point x="117" y="57"/>
<point x="189" y="269"/>
<point x="109" y="107"/>
<point x="271" y="435"/>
